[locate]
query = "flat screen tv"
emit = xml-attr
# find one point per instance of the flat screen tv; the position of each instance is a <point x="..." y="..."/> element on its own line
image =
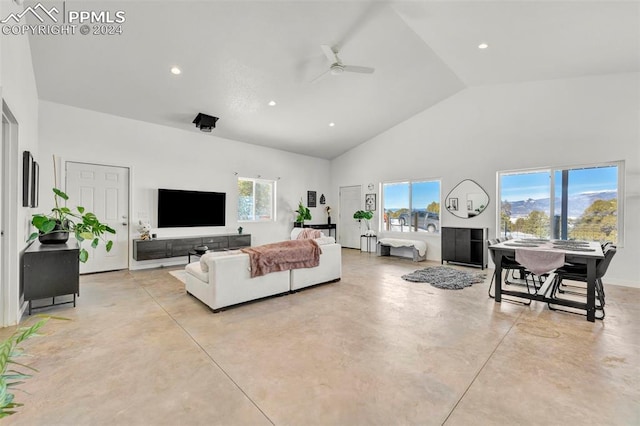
<point x="178" y="208"/>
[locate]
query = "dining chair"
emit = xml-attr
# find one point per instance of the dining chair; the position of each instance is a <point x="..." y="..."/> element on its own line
<point x="563" y="287"/>
<point x="579" y="273"/>
<point x="508" y="265"/>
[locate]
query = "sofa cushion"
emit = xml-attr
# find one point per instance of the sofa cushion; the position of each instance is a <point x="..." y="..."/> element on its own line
<point x="309" y="234"/>
<point x="204" y="259"/>
<point x="195" y="270"/>
<point x="296" y="231"/>
<point x="322" y="241"/>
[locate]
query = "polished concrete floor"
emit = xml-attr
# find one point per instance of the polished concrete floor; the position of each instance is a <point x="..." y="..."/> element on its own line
<point x="370" y="349"/>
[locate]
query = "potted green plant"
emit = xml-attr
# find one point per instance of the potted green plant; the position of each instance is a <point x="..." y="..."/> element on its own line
<point x="54" y="228"/>
<point x="366" y="216"/>
<point x="10" y="377"/>
<point x="303" y="213"/>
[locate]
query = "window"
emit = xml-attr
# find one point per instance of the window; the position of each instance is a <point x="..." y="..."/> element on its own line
<point x="577" y="203"/>
<point x="411" y="206"/>
<point x="256" y="200"/>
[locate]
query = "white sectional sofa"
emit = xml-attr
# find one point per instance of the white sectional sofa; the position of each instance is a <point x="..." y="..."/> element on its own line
<point x="223" y="279"/>
<point x="330" y="269"/>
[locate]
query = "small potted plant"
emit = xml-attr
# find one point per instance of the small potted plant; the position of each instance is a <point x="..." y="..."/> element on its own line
<point x="54" y="228"/>
<point x="303" y="214"/>
<point x="366" y="216"/>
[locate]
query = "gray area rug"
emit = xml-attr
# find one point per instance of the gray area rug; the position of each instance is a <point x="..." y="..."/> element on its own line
<point x="445" y="277"/>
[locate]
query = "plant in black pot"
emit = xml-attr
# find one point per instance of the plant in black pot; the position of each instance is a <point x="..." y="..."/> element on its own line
<point x="303" y="214"/>
<point x="55" y="227"/>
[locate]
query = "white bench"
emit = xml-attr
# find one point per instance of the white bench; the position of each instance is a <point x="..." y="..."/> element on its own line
<point x="419" y="247"/>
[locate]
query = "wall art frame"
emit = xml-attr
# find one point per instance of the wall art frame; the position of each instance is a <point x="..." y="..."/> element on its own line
<point x="311" y="199"/>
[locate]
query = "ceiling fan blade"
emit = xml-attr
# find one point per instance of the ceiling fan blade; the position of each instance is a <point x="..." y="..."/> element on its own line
<point x="329" y="53"/>
<point x="321" y="76"/>
<point x="361" y="70"/>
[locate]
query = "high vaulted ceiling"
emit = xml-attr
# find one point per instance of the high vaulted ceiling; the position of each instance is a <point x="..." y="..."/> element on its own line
<point x="237" y="56"/>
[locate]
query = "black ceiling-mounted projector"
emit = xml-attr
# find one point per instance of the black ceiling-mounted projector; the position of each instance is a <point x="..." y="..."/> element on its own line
<point x="205" y="122"/>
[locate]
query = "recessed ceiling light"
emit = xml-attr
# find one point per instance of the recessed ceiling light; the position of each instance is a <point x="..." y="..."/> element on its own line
<point x="176" y="71"/>
<point x="272" y="103"/>
<point x="483" y="46"/>
<point x="332" y="124"/>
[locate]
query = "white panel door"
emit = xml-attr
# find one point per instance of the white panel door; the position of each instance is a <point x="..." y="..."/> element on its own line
<point x="350" y="202"/>
<point x="103" y="190"/>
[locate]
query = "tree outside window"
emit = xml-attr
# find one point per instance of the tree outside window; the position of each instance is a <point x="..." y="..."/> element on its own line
<point x="584" y="201"/>
<point x="256" y="200"/>
<point x="411" y="206"/>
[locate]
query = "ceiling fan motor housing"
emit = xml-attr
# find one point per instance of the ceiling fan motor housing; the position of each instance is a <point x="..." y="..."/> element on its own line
<point x="337" y="69"/>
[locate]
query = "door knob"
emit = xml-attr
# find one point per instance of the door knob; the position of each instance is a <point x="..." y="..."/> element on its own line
<point x="124" y="223"/>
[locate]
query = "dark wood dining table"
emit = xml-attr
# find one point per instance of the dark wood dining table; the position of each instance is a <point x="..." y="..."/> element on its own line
<point x="587" y="253"/>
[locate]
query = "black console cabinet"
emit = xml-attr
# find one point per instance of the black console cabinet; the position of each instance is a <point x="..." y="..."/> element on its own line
<point x="465" y="245"/>
<point x="329" y="227"/>
<point x="50" y="270"/>
<point x="175" y="247"/>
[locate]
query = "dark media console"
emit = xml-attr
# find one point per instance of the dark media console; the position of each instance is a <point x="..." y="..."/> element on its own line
<point x="175" y="247"/>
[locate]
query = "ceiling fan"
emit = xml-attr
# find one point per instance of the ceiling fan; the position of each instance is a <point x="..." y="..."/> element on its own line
<point x="336" y="66"/>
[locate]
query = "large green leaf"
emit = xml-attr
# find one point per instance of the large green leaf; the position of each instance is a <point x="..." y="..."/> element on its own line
<point x="16" y="376"/>
<point x="109" y="245"/>
<point x="60" y="194"/>
<point x="84" y="255"/>
<point x="11" y="361"/>
<point x="38" y="220"/>
<point x="48" y="226"/>
<point x="30" y="331"/>
<point x="86" y="235"/>
<point x="95" y="242"/>
<point x="5" y="352"/>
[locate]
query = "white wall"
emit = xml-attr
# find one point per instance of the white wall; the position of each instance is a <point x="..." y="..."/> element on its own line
<point x="165" y="157"/>
<point x="482" y="130"/>
<point x="18" y="90"/>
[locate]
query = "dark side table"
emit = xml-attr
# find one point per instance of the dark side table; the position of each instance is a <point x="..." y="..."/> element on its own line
<point x="49" y="271"/>
<point x="196" y="254"/>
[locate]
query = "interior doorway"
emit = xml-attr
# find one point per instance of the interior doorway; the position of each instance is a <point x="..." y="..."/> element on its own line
<point x="350" y="202"/>
<point x="11" y="294"/>
<point x="103" y="190"/>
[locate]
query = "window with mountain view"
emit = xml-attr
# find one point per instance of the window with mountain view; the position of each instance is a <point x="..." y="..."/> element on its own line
<point x="411" y="206"/>
<point x="256" y="200"/>
<point x="578" y="203"/>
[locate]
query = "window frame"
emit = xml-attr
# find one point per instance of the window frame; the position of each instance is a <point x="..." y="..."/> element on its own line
<point x="552" y="192"/>
<point x="410" y="182"/>
<point x="274" y="186"/>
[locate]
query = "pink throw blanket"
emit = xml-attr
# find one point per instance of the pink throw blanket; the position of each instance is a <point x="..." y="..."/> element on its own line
<point x="283" y="256"/>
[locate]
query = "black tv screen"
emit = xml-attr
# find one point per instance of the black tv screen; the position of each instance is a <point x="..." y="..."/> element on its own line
<point x="177" y="208"/>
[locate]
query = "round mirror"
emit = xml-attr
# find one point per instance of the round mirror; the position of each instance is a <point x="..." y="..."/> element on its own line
<point x="467" y="199"/>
